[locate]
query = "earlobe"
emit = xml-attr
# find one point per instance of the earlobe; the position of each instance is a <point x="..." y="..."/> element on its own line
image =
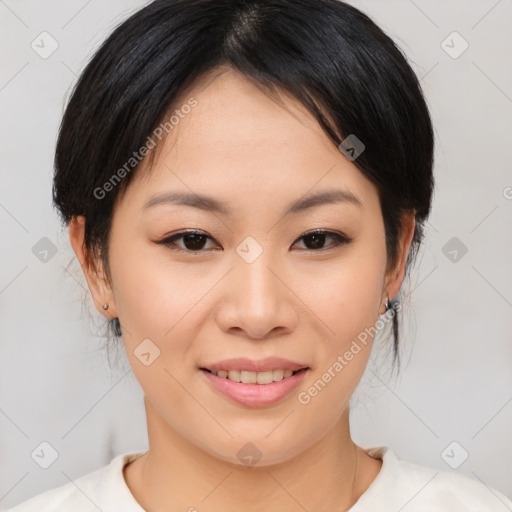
<point x="93" y="271"/>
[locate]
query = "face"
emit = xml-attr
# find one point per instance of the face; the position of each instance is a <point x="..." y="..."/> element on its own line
<point x="252" y="281"/>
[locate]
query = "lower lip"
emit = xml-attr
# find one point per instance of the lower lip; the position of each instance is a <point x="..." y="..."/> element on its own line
<point x="256" y="395"/>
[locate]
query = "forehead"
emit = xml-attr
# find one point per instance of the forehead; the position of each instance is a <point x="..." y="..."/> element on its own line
<point x="233" y="112"/>
<point x="239" y="137"/>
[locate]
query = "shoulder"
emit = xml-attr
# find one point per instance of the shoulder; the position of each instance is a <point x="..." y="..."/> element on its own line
<point x="454" y="491"/>
<point x="422" y="488"/>
<point x="72" y="495"/>
<point x="90" y="492"/>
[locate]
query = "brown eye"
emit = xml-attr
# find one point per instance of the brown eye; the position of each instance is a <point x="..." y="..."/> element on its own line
<point x="315" y="240"/>
<point x="193" y="241"/>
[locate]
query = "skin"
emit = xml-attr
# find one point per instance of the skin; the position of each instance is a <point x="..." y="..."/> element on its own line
<point x="294" y="301"/>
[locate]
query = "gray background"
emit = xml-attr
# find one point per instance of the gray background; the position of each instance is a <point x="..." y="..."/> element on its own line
<point x="56" y="385"/>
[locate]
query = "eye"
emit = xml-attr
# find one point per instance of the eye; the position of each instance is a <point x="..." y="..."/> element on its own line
<point x="195" y="241"/>
<point x="316" y="239"/>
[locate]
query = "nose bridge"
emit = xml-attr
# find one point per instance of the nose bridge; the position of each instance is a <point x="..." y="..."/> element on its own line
<point x="258" y="301"/>
<point x="257" y="286"/>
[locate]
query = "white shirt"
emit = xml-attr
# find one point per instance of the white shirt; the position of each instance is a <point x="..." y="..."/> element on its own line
<point x="400" y="485"/>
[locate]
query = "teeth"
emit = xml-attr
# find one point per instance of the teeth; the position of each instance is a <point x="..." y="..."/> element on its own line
<point x="247" y="377"/>
<point x="264" y="377"/>
<point x="277" y="375"/>
<point x="233" y="375"/>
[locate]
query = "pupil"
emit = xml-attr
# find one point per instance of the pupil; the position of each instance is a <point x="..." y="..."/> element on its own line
<point x="195" y="240"/>
<point x="320" y="239"/>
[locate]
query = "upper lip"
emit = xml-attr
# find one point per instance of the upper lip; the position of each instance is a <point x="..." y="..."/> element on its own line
<point x="262" y="365"/>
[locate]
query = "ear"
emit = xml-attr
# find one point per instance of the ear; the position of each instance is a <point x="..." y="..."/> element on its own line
<point x="93" y="269"/>
<point x="395" y="275"/>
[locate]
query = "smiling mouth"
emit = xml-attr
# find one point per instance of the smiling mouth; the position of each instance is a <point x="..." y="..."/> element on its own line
<point x="249" y="377"/>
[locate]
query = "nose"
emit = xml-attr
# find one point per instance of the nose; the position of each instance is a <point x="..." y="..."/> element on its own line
<point x="257" y="301"/>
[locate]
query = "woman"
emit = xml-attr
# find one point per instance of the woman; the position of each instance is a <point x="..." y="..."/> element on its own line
<point x="207" y="149"/>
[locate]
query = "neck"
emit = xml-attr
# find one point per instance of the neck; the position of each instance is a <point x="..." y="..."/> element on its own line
<point x="176" y="474"/>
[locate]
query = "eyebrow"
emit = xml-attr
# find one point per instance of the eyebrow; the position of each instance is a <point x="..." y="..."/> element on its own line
<point x="211" y="204"/>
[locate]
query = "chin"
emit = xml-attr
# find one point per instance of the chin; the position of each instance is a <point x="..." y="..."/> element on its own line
<point x="259" y="451"/>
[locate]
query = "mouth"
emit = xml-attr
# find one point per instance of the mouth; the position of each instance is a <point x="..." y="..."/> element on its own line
<point x="264" y="388"/>
<point x="252" y="377"/>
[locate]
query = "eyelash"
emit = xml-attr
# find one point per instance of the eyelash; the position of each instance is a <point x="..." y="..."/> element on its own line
<point x="339" y="240"/>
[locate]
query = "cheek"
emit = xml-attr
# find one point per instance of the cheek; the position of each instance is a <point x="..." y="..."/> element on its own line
<point x="346" y="295"/>
<point x="347" y="303"/>
<point x="155" y="304"/>
<point x="162" y="301"/>
<point x="153" y="295"/>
